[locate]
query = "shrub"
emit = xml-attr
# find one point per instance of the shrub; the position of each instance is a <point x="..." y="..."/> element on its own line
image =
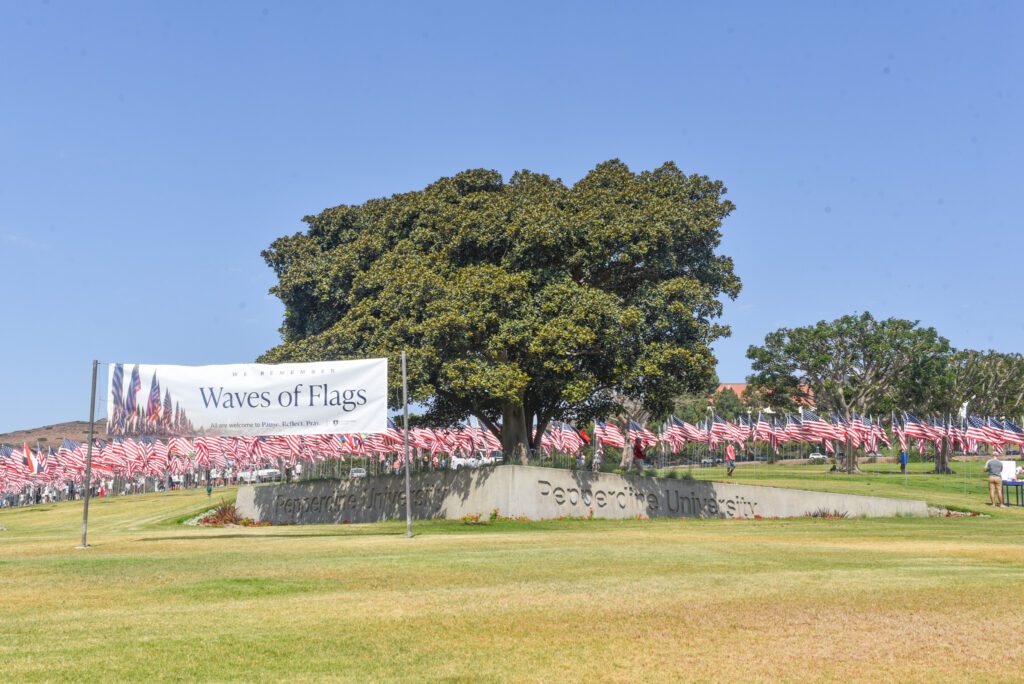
<point x="473" y="519"/>
<point x="827" y="514"/>
<point x="224" y="514"/>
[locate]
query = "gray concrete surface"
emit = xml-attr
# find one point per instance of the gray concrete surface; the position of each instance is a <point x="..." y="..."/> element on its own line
<point x="544" y="493"/>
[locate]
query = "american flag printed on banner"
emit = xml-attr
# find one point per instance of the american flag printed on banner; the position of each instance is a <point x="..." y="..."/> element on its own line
<point x="153" y="407"/>
<point x="117" y="390"/>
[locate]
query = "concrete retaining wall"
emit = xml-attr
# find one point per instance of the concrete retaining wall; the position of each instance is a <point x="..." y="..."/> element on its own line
<point x="539" y="493"/>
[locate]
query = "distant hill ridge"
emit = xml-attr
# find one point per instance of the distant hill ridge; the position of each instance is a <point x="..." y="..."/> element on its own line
<point x="51" y="435"/>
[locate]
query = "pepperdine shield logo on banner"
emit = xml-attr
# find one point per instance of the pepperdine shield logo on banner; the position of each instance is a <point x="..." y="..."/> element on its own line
<point x="249" y="399"/>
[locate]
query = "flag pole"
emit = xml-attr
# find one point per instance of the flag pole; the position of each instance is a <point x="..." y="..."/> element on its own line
<point x="405" y="449"/>
<point x="88" y="458"/>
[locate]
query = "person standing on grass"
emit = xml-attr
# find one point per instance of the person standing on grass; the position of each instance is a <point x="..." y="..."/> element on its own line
<point x="730" y="459"/>
<point x="903" y="461"/>
<point x="638" y="454"/>
<point x="994" y="468"/>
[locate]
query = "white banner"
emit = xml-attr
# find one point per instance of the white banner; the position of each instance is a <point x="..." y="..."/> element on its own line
<point x="327" y="397"/>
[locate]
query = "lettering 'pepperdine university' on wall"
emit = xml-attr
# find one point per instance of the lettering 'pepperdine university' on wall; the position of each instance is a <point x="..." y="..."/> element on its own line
<point x="544" y="493"/>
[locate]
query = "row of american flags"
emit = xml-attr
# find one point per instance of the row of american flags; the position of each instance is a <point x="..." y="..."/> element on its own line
<point x="22" y="468"/>
<point x="863" y="432"/>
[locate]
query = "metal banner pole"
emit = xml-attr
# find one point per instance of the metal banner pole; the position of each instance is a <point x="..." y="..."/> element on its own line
<point x="88" y="458"/>
<point x="405" y="447"/>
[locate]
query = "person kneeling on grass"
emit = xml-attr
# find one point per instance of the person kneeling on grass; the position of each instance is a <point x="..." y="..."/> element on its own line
<point x="994" y="468"/>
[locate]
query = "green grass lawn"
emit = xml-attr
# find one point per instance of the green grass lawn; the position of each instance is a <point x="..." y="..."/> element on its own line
<point x="663" y="600"/>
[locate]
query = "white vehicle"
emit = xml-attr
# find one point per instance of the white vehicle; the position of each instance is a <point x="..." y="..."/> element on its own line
<point x="263" y="475"/>
<point x="465" y="462"/>
<point x="357" y="472"/>
<point x="817" y="459"/>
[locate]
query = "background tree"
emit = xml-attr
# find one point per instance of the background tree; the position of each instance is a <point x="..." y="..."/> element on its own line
<point x="691" y="407"/>
<point x="728" y="404"/>
<point x="854" y="364"/>
<point x="519" y="302"/>
<point x="992" y="383"/>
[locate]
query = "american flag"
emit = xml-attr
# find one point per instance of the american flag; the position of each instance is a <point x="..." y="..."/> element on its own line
<point x="858" y="430"/>
<point x="674" y="429"/>
<point x="880" y="433"/>
<point x="180" y="445"/>
<point x="608" y="434"/>
<point x="394" y="434"/>
<point x="870" y="436"/>
<point x="1012" y="432"/>
<point x="638" y="431"/>
<point x="993" y="430"/>
<point x="840" y="427"/>
<point x="724" y="430"/>
<point x="900" y="433"/>
<point x="421" y="438"/>
<point x="763" y="430"/>
<point x="814" y="428"/>
<point x="35" y="462"/>
<point x="674" y="434"/>
<point x="694" y="433"/>
<point x="975" y="432"/>
<point x="914" y="428"/>
<point x="794" y="430"/>
<point x="939" y="431"/>
<point x="779" y="432"/>
<point x="570" y="439"/>
<point x="158" y="460"/>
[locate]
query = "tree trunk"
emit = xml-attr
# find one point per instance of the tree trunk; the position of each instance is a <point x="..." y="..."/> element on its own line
<point x="942" y="459"/>
<point x="849" y="464"/>
<point x="851" y="458"/>
<point x="627" y="452"/>
<point x="515" y="440"/>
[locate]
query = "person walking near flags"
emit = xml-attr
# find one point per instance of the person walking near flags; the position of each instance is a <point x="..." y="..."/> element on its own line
<point x="638" y="453"/>
<point x="730" y="459"/>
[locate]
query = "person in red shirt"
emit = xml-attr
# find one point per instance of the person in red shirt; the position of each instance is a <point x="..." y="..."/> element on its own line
<point x="638" y="453"/>
<point x="730" y="459"/>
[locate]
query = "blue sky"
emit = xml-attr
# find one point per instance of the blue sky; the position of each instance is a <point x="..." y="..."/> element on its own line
<point x="148" y="152"/>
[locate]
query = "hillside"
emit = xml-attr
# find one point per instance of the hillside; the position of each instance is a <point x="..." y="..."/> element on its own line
<point x="51" y="435"/>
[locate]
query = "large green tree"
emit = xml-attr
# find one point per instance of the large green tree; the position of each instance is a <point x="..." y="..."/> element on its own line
<point x="519" y="302"/>
<point x="854" y="364"/>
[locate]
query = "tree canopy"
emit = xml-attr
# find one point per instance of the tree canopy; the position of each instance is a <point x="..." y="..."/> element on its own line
<point x="519" y="302"/>
<point x="991" y="383"/>
<point x="728" y="404"/>
<point x="854" y="364"/>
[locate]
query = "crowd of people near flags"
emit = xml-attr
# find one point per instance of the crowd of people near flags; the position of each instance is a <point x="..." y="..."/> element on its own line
<point x="26" y="472"/>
